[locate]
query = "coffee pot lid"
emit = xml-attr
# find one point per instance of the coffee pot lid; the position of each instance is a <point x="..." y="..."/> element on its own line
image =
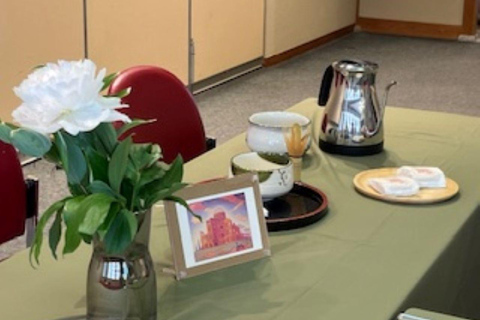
<point x="355" y="66"/>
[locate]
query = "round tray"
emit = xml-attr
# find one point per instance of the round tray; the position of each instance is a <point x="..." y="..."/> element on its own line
<point x="424" y="196"/>
<point x="302" y="206"/>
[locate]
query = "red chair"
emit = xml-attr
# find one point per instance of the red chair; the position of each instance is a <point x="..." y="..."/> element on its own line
<point x="18" y="197"/>
<point x="158" y="94"/>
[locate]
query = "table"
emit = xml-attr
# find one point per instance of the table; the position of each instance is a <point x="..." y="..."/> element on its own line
<point x="425" y="314"/>
<point x="366" y="259"/>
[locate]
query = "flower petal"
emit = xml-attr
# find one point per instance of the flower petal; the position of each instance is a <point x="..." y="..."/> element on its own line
<point x="65" y="95"/>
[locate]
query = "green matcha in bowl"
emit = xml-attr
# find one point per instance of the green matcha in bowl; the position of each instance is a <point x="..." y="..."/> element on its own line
<point x="275" y="172"/>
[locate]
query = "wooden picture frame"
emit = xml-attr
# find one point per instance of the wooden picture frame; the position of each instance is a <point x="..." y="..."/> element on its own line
<point x="232" y="230"/>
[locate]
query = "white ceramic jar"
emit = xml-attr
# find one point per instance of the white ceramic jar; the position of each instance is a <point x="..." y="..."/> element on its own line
<point x="267" y="131"/>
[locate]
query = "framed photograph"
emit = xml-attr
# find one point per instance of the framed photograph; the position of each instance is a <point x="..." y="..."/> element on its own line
<point x="231" y="231"/>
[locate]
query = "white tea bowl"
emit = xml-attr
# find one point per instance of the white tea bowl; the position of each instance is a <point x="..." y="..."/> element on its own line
<point x="275" y="172"/>
<point x="269" y="131"/>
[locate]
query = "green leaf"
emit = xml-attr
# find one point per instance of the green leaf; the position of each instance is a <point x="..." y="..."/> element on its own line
<point x="121" y="94"/>
<point x="114" y="209"/>
<point x="61" y="148"/>
<point x="76" y="165"/>
<point x="12" y="126"/>
<point x="108" y="80"/>
<point x="185" y="204"/>
<point x="145" y="155"/>
<point x="96" y="144"/>
<point x="76" y="190"/>
<point x="121" y="232"/>
<point x="72" y="219"/>
<point x="30" y="142"/>
<point x="84" y="140"/>
<point x="95" y="208"/>
<point x="118" y="164"/>
<point x="98" y="165"/>
<point x="38" y="239"/>
<point x="129" y="190"/>
<point x="86" y="238"/>
<point x="174" y="173"/>
<point x="134" y="123"/>
<point x="106" y="134"/>
<point x="102" y="187"/>
<point x="5" y="133"/>
<point x="150" y="174"/>
<point x="53" y="156"/>
<point x="132" y="223"/>
<point x="39" y="66"/>
<point x="163" y="194"/>
<point x="55" y="233"/>
<point x="131" y="174"/>
<point x="158" y="189"/>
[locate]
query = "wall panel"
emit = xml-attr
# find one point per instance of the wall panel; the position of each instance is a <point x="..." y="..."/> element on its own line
<point x="226" y="34"/>
<point x="125" y="33"/>
<point x="291" y="23"/>
<point x="445" y="12"/>
<point x="33" y="32"/>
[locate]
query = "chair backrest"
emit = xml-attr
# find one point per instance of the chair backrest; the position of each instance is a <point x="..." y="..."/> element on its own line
<point x="158" y="94"/>
<point x="12" y="194"/>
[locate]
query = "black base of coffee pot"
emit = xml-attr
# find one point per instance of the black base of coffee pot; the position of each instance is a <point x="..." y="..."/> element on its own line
<point x="351" y="150"/>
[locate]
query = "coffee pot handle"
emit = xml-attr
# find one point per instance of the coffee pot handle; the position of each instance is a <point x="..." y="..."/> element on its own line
<point x="323" y="97"/>
<point x="325" y="86"/>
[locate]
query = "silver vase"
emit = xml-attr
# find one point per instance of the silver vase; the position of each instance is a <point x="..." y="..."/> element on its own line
<point x="123" y="286"/>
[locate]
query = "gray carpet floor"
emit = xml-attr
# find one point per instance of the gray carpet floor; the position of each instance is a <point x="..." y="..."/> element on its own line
<point x="431" y="74"/>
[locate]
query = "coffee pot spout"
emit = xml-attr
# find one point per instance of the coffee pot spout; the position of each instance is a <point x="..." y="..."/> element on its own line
<point x="371" y="133"/>
<point x="385" y="95"/>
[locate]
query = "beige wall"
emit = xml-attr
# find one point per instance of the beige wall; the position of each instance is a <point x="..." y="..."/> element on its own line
<point x="124" y="33"/>
<point x="449" y="12"/>
<point x="33" y="32"/>
<point x="291" y="23"/>
<point x="227" y="33"/>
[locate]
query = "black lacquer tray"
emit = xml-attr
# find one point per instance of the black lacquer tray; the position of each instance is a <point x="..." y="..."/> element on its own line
<point x="302" y="206"/>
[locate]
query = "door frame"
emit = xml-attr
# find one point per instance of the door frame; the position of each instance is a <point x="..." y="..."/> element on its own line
<point x="470" y="17"/>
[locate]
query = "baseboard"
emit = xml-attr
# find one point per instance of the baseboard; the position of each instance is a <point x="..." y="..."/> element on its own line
<point x="406" y="28"/>
<point x="270" y="61"/>
<point x="226" y="76"/>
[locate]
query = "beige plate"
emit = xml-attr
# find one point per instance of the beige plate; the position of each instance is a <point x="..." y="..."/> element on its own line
<point x="426" y="195"/>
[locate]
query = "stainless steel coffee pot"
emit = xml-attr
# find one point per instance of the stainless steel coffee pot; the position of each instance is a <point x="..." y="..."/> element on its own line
<point x="352" y="121"/>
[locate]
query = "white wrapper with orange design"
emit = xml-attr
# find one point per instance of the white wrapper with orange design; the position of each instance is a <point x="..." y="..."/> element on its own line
<point x="426" y="177"/>
<point x="395" y="186"/>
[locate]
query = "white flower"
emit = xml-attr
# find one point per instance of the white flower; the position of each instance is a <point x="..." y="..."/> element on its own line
<point x="66" y="96"/>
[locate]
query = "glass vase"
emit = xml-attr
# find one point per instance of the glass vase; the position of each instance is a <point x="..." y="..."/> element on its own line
<point x="123" y="286"/>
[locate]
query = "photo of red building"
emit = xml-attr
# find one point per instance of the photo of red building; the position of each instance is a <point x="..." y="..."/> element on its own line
<point x="224" y="227"/>
<point x="220" y="230"/>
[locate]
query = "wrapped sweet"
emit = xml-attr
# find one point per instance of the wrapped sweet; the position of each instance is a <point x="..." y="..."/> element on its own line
<point x="395" y="186"/>
<point x="426" y="177"/>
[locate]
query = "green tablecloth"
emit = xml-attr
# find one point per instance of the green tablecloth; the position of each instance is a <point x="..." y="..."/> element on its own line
<point x="366" y="259"/>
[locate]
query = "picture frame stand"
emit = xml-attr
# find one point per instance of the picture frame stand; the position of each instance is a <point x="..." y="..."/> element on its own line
<point x="231" y="229"/>
<point x="178" y="275"/>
